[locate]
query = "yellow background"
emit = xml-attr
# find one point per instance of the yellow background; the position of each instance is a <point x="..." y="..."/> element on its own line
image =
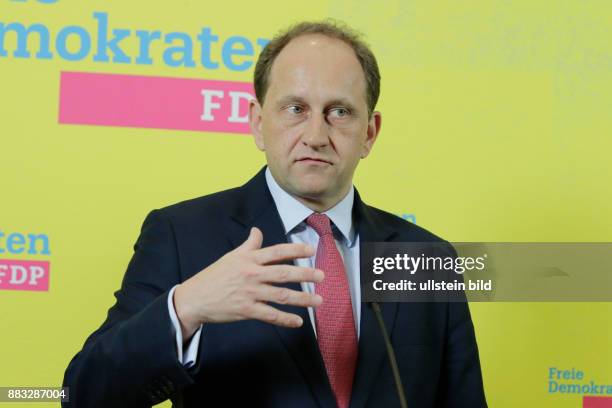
<point x="497" y="126"/>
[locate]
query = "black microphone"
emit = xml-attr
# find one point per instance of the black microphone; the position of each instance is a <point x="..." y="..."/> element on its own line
<point x="390" y="354"/>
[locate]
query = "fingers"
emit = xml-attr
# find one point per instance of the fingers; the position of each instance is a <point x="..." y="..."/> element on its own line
<point x="269" y="314"/>
<point x="286" y="296"/>
<point x="239" y="285"/>
<point x="253" y="241"/>
<point x="283" y="252"/>
<point x="290" y="273"/>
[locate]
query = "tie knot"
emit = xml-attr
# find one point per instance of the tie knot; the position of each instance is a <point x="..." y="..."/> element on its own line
<point x="320" y="223"/>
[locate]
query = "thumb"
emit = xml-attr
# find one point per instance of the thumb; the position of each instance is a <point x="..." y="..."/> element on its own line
<point x="254" y="240"/>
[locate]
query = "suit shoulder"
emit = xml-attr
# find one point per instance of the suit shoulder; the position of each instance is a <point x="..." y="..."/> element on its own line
<point x="215" y="205"/>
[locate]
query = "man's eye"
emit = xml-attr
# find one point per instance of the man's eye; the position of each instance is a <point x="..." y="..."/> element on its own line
<point x="340" y="112"/>
<point x="295" y="109"/>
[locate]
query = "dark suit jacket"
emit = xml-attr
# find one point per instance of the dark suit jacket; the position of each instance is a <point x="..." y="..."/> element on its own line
<point x="131" y="359"/>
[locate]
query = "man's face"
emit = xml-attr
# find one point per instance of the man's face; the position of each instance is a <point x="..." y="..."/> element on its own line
<point x="314" y="125"/>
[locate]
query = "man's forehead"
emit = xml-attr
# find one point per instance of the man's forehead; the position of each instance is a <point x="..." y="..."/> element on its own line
<point x="316" y="40"/>
<point x="316" y="60"/>
<point x="303" y="48"/>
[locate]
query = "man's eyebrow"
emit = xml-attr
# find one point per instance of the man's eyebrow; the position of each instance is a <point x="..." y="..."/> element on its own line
<point x="342" y="102"/>
<point x="285" y="100"/>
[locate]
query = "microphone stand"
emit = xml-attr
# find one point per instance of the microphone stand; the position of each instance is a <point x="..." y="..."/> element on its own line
<point x="391" y="355"/>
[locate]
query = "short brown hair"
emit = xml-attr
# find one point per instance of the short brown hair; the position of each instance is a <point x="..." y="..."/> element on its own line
<point x="329" y="28"/>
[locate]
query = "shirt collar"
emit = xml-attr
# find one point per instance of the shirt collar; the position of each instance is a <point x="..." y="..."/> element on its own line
<point x="293" y="212"/>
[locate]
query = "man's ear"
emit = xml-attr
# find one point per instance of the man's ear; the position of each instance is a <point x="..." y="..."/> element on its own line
<point x="372" y="133"/>
<point x="255" y="123"/>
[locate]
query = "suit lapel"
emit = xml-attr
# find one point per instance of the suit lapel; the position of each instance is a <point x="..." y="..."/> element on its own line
<point x="258" y="210"/>
<point x="371" y="344"/>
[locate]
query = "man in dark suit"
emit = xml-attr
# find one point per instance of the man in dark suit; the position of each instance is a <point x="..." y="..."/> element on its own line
<point x="225" y="301"/>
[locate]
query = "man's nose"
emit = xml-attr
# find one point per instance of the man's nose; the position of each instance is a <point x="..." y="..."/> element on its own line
<point x="316" y="133"/>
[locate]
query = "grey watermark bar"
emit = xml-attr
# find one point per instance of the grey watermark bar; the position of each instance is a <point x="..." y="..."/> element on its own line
<point x="34" y="394"/>
<point x="486" y="272"/>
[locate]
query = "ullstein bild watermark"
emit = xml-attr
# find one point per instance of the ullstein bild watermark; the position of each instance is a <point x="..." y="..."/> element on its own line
<point x="486" y="272"/>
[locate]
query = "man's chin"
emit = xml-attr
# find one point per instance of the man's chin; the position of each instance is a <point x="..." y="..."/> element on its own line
<point x="312" y="190"/>
<point x="317" y="196"/>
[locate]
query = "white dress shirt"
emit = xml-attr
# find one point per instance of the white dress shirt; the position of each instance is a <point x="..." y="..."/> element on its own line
<point x="293" y="215"/>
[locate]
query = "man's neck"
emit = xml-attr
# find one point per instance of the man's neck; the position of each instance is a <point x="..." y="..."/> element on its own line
<point x="293" y="210"/>
<point x="320" y="204"/>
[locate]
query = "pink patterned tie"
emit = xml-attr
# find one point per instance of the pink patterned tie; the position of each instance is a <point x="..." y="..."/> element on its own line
<point x="336" y="332"/>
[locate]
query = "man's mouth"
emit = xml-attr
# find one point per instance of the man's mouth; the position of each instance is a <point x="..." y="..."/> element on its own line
<point x="313" y="160"/>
